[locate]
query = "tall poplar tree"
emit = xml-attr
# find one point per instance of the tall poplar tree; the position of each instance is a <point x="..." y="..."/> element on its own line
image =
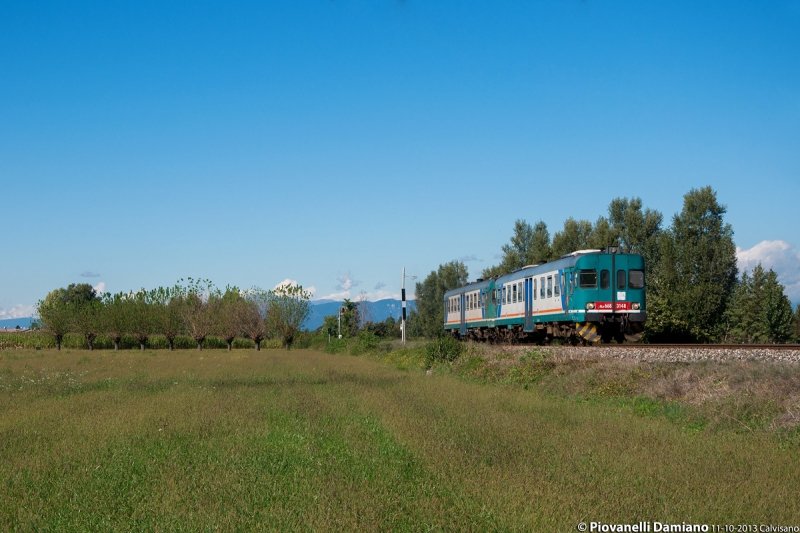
<point x="529" y="245"/>
<point x="636" y="230"/>
<point x="429" y="296"/>
<point x="776" y="317"/>
<point x="576" y="235"/>
<point x="696" y="274"/>
<point x="797" y="324"/>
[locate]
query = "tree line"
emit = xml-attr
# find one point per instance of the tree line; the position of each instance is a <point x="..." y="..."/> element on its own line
<point x="197" y="309"/>
<point x="694" y="290"/>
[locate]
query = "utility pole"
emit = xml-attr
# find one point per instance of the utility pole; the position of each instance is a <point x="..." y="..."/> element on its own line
<point x="403" y="296"/>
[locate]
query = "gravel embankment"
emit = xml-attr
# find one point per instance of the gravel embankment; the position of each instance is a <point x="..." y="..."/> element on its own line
<point x="685" y="355"/>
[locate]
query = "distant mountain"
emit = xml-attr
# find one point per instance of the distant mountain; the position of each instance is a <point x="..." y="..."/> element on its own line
<point x="381" y="310"/>
<point x="12" y="323"/>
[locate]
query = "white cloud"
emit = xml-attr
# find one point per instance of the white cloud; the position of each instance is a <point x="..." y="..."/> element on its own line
<point x="100" y="288"/>
<point x="346" y="282"/>
<point x="293" y="283"/>
<point x="781" y="257"/>
<point x="18" y="311"/>
<point x="383" y="295"/>
<point x="339" y="296"/>
<point x="89" y="274"/>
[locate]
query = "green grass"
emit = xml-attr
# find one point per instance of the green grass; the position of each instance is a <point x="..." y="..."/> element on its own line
<point x="310" y="441"/>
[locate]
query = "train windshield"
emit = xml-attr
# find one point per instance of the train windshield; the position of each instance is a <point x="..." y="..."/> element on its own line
<point x="588" y="279"/>
<point x="636" y="279"/>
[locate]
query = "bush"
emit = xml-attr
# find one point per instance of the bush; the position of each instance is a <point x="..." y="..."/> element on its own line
<point x="442" y="350"/>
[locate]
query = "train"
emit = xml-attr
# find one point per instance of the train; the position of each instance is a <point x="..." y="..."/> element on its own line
<point x="587" y="296"/>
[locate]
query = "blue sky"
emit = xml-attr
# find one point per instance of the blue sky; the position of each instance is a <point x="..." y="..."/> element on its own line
<point x="334" y="142"/>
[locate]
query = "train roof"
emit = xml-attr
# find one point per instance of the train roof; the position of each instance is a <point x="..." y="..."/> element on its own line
<point x="566" y="261"/>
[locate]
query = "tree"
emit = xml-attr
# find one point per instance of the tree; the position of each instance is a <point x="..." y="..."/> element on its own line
<point x="349" y="317"/>
<point x="331" y="322"/>
<point x="86" y="319"/>
<point x="226" y="310"/>
<point x="776" y="317"/>
<point x="114" y="319"/>
<point x="575" y="236"/>
<point x="429" y="314"/>
<point x="365" y="314"/>
<point x="253" y="315"/>
<point x="797" y="323"/>
<point x="696" y="274"/>
<point x="288" y="309"/>
<point x="759" y="311"/>
<point x="197" y="316"/>
<point x="635" y="230"/>
<point x="140" y="316"/>
<point x="529" y="245"/>
<point x="744" y="310"/>
<point x="79" y="293"/>
<point x="167" y="307"/>
<point x="55" y="315"/>
<point x="62" y="311"/>
<point x="602" y="235"/>
<point x="388" y="329"/>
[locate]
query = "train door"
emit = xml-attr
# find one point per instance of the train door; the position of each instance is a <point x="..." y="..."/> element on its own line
<point x="528" y="297"/>
<point x="463" y="329"/>
<point x="622" y="290"/>
<point x="606" y="283"/>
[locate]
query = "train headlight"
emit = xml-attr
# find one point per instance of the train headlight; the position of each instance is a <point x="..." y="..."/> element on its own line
<point x="590" y="306"/>
<point x="635" y="306"/>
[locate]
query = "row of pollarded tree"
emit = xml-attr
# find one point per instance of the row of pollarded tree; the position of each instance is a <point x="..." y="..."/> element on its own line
<point x="197" y="309"/>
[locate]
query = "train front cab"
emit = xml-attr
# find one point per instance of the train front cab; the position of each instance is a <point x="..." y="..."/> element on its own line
<point x="609" y="289"/>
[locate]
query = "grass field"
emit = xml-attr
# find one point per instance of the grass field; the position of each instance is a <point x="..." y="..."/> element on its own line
<point x="308" y="441"/>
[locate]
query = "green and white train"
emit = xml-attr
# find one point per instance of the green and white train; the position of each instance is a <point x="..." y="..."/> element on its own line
<point x="593" y="295"/>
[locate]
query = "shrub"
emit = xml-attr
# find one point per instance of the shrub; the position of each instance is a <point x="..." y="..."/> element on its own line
<point x="442" y="350"/>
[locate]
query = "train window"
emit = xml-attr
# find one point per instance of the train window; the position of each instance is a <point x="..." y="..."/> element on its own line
<point x="588" y="279"/>
<point x="556" y="288"/>
<point x="534" y="288"/>
<point x="605" y="279"/>
<point x="513" y="294"/>
<point x="504" y="296"/>
<point x="636" y="279"/>
<point x="621" y="280"/>
<point x="549" y="286"/>
<point x="521" y="294"/>
<point x="541" y="288"/>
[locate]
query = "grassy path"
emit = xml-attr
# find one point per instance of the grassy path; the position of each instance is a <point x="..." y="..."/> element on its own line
<point x="243" y="441"/>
